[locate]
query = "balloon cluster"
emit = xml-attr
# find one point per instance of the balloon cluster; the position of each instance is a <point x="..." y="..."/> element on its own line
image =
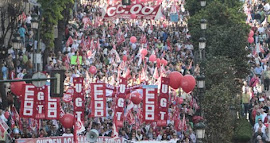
<point x="177" y="80"/>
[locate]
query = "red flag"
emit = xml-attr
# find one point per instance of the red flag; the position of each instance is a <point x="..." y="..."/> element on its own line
<point x="69" y="41"/>
<point x="184" y="123"/>
<point x="156" y="76"/>
<point x="78" y="60"/>
<point x="115" y="129"/>
<point x="127" y="74"/>
<point x="190" y="65"/>
<point x="15" y="115"/>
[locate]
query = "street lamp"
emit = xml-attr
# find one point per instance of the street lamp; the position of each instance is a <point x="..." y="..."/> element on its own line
<point x="34" y="21"/>
<point x="203" y="24"/>
<point x="203" y="3"/>
<point x="202" y="43"/>
<point x="200" y="131"/>
<point x="201" y="82"/>
<point x="16" y="41"/>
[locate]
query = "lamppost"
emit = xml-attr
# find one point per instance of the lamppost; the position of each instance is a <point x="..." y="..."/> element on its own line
<point x="203" y="3"/>
<point x="203" y="24"/>
<point x="200" y="127"/>
<point x="200" y="86"/>
<point x="34" y="26"/>
<point x="200" y="131"/>
<point x="202" y="45"/>
<point x="16" y="44"/>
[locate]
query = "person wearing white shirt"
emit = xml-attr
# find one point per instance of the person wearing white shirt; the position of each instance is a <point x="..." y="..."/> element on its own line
<point x="174" y="139"/>
<point x="68" y="133"/>
<point x="260" y="125"/>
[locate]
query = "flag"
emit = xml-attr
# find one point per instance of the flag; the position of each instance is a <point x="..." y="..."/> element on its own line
<point x="14" y="114"/>
<point x="184" y="124"/>
<point x="69" y="41"/>
<point x="156" y="76"/>
<point x="127" y="74"/>
<point x="173" y="8"/>
<point x="115" y="130"/>
<point x="78" y="60"/>
<point x="82" y="44"/>
<point x="98" y="45"/>
<point x="190" y="65"/>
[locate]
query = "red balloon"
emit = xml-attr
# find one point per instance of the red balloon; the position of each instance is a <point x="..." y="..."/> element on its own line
<point x="6" y="114"/>
<point x="133" y="39"/>
<point x="133" y="16"/>
<point x="136" y="98"/>
<point x="144" y="52"/>
<point x="93" y="70"/>
<point x="125" y="58"/>
<point x="188" y="83"/>
<point x="164" y="62"/>
<point x="16" y="87"/>
<point x="67" y="120"/>
<point x="175" y="79"/>
<point x="250" y="40"/>
<point x="152" y="58"/>
<point x="251" y="33"/>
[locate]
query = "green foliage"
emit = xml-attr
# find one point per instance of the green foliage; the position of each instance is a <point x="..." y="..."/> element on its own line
<point x="217" y="105"/>
<point x="226" y="61"/>
<point x="194" y="7"/>
<point x="51" y="14"/>
<point x="226" y="34"/>
<point x="221" y="68"/>
<point x="243" y="131"/>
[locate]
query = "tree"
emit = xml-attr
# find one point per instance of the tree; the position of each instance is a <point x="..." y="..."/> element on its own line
<point x="226" y="62"/>
<point x="217" y="114"/>
<point x="61" y="27"/>
<point x="9" y="14"/>
<point x="51" y="12"/>
<point x="194" y="6"/>
<point x="226" y="35"/>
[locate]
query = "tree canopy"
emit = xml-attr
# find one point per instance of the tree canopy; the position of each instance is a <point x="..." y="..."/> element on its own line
<point x="51" y="12"/>
<point x="226" y="61"/>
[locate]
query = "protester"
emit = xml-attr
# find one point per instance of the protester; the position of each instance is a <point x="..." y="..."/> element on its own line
<point x="104" y="44"/>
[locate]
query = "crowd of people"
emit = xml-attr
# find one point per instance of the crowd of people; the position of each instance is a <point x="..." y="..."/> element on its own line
<point x="104" y="44"/>
<point x="255" y="91"/>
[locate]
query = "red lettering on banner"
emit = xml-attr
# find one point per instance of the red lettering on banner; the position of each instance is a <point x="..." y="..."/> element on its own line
<point x="40" y="102"/>
<point x="98" y="99"/>
<point x="78" y="98"/>
<point x="27" y="103"/>
<point x="120" y="100"/>
<point x="150" y="102"/>
<point x="123" y="11"/>
<point x="52" y="106"/>
<point x="163" y="100"/>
